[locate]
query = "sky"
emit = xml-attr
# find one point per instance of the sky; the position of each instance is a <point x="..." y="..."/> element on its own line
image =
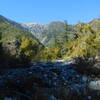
<point x="46" y="11"/>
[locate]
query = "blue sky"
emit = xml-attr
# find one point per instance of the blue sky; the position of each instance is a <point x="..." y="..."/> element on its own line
<point x="45" y="11"/>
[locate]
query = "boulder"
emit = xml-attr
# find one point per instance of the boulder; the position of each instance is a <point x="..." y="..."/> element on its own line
<point x="95" y="85"/>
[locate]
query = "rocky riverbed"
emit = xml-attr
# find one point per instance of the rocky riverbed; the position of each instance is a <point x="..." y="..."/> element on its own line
<point x="47" y="81"/>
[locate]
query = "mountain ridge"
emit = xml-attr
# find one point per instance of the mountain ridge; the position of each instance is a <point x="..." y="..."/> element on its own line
<point x="35" y="28"/>
<point x="46" y="33"/>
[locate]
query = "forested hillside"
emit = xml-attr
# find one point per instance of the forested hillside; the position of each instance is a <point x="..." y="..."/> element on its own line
<point x="17" y="45"/>
<point x="81" y="40"/>
<point x="61" y="41"/>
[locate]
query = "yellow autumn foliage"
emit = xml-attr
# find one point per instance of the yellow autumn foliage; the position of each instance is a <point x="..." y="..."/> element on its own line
<point x="28" y="46"/>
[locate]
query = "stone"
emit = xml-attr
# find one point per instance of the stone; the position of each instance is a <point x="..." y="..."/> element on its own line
<point x="94" y="85"/>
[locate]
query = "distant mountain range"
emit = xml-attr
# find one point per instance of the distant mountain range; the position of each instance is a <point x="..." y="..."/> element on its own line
<point x="35" y="28"/>
<point x="46" y="33"/>
<point x="43" y="32"/>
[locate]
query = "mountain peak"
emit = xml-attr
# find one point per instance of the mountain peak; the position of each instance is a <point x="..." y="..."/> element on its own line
<point x="32" y="24"/>
<point x="95" y="21"/>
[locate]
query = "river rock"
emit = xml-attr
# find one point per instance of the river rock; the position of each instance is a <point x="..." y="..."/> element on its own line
<point x="95" y="85"/>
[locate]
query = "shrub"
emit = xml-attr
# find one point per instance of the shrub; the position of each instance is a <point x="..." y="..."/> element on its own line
<point x="85" y="64"/>
<point x="28" y="48"/>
